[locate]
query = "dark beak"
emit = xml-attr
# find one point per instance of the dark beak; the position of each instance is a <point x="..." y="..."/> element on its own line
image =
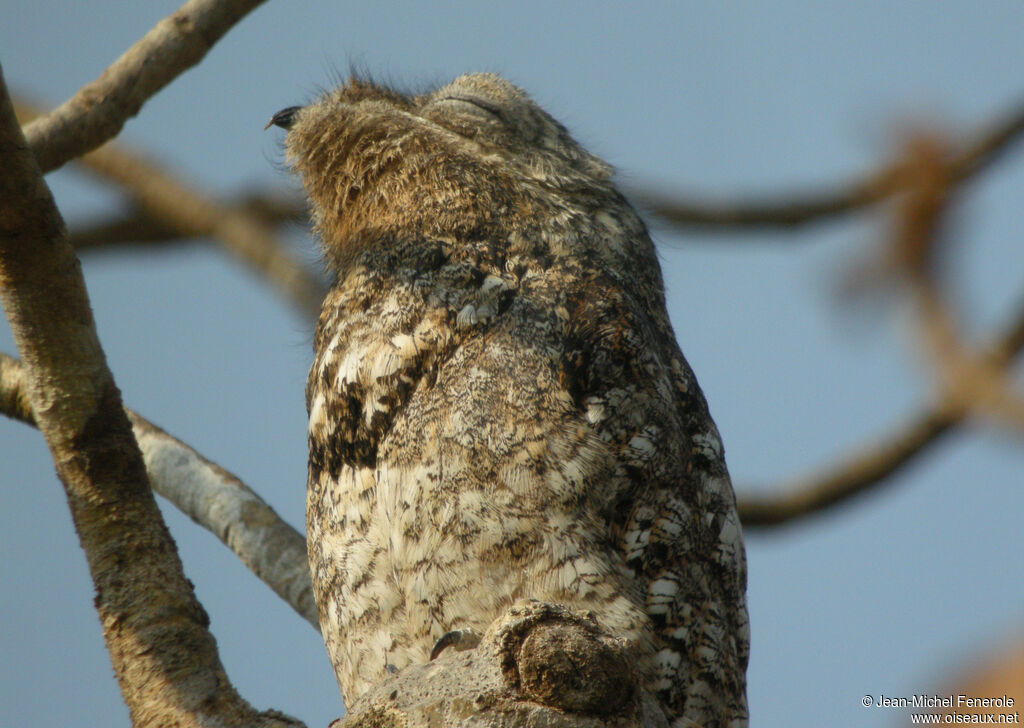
<point x="283" y="118"/>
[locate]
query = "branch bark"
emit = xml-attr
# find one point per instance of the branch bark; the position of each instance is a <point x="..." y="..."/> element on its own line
<point x="208" y="494"/>
<point x="538" y="664"/>
<point x="164" y="657"/>
<point x="98" y="111"/>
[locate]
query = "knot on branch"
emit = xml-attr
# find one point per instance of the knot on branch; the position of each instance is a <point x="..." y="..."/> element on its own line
<point x="562" y="659"/>
<point x="537" y="664"/>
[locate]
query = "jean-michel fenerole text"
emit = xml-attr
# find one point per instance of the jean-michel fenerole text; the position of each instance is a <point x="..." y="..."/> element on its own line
<point x="943" y="701"/>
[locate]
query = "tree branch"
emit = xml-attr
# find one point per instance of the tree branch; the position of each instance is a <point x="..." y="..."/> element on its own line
<point x="98" y="111"/>
<point x="176" y="205"/>
<point x="208" y="494"/>
<point x="971" y="381"/>
<point x="221" y="503"/>
<point x="872" y="464"/>
<point x="179" y="206"/>
<point x="786" y="211"/>
<point x="974" y="383"/>
<point x="164" y="657"/>
<point x="916" y="247"/>
<point x="797" y="209"/>
<point x="853" y="475"/>
<point x="139" y="228"/>
<point x="537" y="664"/>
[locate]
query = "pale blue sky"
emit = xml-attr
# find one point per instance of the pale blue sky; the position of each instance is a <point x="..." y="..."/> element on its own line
<point x="883" y="596"/>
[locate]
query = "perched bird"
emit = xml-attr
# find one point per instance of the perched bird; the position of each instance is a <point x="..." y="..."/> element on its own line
<point x="498" y="409"/>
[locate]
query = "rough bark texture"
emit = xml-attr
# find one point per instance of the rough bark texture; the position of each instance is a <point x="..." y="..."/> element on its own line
<point x="156" y="631"/>
<point x="221" y="503"/>
<point x="538" y="665"/>
<point x="208" y="494"/>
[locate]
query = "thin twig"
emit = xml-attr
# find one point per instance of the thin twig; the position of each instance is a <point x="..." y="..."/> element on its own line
<point x="786" y="211"/>
<point x="988" y="146"/>
<point x="139" y="228"/>
<point x="915" y="249"/>
<point x="98" y="111"/>
<point x="796" y="209"/>
<point x="973" y="382"/>
<point x="179" y="206"/>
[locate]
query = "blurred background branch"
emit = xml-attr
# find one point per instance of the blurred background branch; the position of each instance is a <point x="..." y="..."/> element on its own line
<point x="794" y="209"/>
<point x="176" y="205"/>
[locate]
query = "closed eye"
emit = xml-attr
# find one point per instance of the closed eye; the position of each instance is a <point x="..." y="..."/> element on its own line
<point x="477" y="102"/>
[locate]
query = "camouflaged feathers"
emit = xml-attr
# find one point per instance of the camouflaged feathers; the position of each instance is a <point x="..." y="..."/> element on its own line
<point x="498" y="408"/>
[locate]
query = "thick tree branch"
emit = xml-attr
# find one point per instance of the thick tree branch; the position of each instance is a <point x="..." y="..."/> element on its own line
<point x="796" y="209"/>
<point x="98" y="111"/>
<point x="208" y="494"/>
<point x="536" y="665"/>
<point x="164" y="657"/>
<point x="221" y="503"/>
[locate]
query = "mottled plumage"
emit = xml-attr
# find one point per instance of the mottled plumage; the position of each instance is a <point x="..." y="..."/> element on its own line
<point x="498" y="408"/>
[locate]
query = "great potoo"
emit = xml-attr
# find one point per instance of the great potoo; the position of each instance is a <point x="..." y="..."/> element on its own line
<point x="498" y="409"/>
